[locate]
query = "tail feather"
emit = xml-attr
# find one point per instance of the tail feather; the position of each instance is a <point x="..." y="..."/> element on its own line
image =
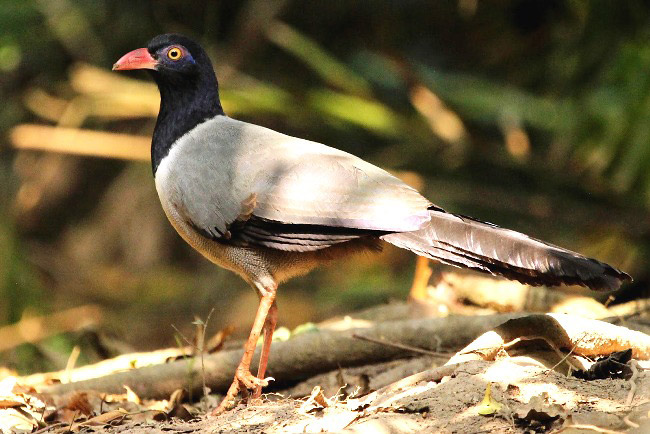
<point x="464" y="242"/>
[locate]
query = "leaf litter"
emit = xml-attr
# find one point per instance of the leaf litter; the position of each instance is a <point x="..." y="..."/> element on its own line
<point x="510" y="395"/>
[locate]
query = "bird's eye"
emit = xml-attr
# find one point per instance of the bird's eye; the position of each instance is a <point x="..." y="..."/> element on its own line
<point x="175" y="53"/>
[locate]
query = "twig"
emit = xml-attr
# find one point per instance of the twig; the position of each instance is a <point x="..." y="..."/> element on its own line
<point x="161" y="380"/>
<point x="397" y="345"/>
<point x="566" y="357"/>
<point x="190" y="361"/>
<point x="590" y="427"/>
<point x="72" y="421"/>
<point x="435" y="374"/>
<point x="629" y="423"/>
<point x="199" y="347"/>
<point x="548" y="341"/>
<point x="49" y="427"/>
<point x="201" y="337"/>
<point x="635" y="374"/>
<point x="72" y="361"/>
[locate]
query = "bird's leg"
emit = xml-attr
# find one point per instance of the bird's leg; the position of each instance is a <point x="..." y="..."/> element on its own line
<point x="243" y="376"/>
<point x="269" y="327"/>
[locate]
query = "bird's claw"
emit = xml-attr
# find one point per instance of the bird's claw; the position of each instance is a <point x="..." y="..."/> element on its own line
<point x="249" y="381"/>
<point x="243" y="382"/>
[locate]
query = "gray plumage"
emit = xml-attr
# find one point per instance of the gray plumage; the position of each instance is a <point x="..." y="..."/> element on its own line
<point x="270" y="206"/>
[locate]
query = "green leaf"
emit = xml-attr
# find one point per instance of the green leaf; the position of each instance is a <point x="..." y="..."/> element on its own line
<point x="315" y="57"/>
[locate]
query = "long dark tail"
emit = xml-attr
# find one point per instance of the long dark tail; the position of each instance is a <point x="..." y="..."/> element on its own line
<point x="465" y="242"/>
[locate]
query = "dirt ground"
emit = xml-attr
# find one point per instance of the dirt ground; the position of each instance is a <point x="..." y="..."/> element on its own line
<point x="523" y="386"/>
<point x="525" y="397"/>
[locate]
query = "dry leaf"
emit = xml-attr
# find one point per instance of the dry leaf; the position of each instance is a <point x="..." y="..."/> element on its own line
<point x="182" y="412"/>
<point x="15" y="421"/>
<point x="316" y="401"/>
<point x="595" y="418"/>
<point x="148" y="416"/>
<point x="176" y="408"/>
<point x="131" y="396"/>
<point x="10" y="403"/>
<point x="538" y="413"/>
<point x="79" y="403"/>
<point x="176" y="398"/>
<point x="7" y="386"/>
<point x="215" y="343"/>
<point x="616" y="365"/>
<point x="107" y="418"/>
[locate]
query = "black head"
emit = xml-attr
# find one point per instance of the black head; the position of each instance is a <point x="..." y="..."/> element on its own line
<point x="178" y="59"/>
<point x="189" y="92"/>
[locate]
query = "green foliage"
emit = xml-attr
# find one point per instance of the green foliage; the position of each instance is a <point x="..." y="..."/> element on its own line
<point x="19" y="286"/>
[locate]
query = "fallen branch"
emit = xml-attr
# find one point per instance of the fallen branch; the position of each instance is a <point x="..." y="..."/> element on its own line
<point x="124" y="362"/>
<point x="302" y="356"/>
<point x="585" y="337"/>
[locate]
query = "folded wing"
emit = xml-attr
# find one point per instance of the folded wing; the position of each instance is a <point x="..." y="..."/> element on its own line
<point x="265" y="188"/>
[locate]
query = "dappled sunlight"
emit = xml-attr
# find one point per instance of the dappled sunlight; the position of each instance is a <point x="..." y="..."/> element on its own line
<point x="443" y="121"/>
<point x="568" y="391"/>
<point x="530" y="115"/>
<point x="388" y="400"/>
<point x="396" y="425"/>
<point x="506" y="370"/>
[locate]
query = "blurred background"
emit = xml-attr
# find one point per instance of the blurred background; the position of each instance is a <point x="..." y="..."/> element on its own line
<point x="532" y="114"/>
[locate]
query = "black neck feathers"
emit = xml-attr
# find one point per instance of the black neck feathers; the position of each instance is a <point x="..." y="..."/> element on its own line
<point x="181" y="109"/>
<point x="188" y="97"/>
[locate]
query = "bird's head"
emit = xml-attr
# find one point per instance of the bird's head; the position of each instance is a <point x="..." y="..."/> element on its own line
<point x="170" y="58"/>
<point x="183" y="72"/>
<point x="189" y="92"/>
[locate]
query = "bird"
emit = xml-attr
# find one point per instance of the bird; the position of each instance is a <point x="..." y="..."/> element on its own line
<point x="269" y="206"/>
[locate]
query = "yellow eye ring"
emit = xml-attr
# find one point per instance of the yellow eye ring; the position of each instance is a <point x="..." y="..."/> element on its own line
<point x="175" y="53"/>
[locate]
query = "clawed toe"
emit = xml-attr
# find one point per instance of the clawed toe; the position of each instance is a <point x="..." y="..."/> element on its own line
<point x="243" y="382"/>
<point x="249" y="381"/>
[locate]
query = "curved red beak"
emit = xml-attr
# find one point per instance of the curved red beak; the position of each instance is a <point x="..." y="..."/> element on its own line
<point x="136" y="59"/>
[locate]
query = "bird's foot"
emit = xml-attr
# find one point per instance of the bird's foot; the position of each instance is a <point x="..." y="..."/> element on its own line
<point x="248" y="380"/>
<point x="243" y="382"/>
<point x="257" y="393"/>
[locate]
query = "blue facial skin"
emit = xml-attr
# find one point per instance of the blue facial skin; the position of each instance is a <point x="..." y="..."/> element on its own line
<point x="184" y="64"/>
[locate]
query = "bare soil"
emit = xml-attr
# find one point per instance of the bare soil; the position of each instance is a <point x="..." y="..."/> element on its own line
<point x="531" y="398"/>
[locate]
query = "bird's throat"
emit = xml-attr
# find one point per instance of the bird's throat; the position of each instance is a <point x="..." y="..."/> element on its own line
<point x="183" y="105"/>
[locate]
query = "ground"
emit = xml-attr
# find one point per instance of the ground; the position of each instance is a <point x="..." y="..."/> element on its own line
<point x="525" y="396"/>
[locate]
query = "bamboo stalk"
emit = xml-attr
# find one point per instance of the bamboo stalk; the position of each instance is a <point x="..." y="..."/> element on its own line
<point x="81" y="142"/>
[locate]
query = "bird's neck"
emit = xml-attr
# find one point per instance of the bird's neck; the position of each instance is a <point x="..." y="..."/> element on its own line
<point x="183" y="105"/>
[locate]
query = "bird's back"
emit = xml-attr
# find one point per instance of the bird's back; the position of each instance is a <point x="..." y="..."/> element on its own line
<point x="218" y="166"/>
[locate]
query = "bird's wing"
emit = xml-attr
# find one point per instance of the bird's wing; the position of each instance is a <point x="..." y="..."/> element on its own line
<point x="244" y="183"/>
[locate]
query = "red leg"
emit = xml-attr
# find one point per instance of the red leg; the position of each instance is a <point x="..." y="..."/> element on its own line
<point x="269" y="327"/>
<point x="243" y="376"/>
